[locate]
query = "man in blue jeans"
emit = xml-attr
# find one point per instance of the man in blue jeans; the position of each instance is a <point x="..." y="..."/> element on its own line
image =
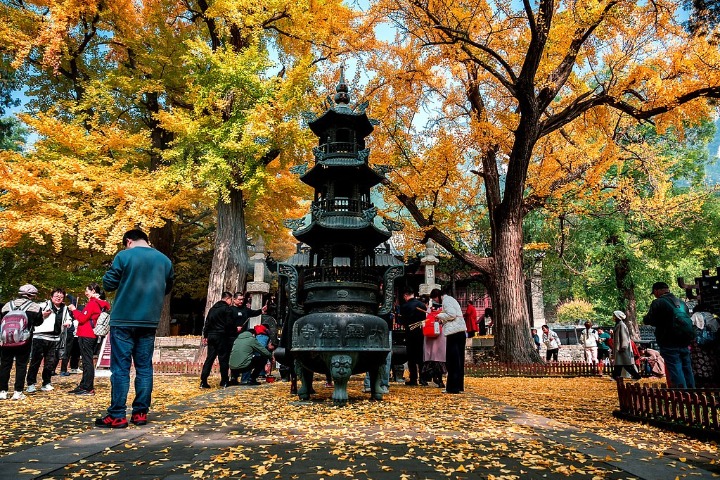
<point x="142" y="277"/>
<point x="674" y="351"/>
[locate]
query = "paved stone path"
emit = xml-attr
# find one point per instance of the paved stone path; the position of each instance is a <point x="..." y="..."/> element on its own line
<point x="512" y="444"/>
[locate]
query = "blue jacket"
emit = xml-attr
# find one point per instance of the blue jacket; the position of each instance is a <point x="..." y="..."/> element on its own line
<point x="142" y="277"/>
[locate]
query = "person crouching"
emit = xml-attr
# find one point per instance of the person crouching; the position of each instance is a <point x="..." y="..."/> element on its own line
<point x="243" y="356"/>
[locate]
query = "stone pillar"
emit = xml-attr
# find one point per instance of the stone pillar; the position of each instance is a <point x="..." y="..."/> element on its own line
<point x="536" y="296"/>
<point x="429" y="261"/>
<point x="258" y="286"/>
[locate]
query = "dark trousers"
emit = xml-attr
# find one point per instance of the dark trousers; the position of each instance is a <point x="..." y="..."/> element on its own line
<point x="414" y="354"/>
<point x="44" y="351"/>
<point x="87" y="354"/>
<point x="551" y="353"/>
<point x="21" y="356"/>
<point x="217" y="348"/>
<point x="455" y="362"/>
<point x="257" y="365"/>
<point x="71" y="355"/>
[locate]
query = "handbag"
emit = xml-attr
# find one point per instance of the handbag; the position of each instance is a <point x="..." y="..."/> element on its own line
<point x="431" y="327"/>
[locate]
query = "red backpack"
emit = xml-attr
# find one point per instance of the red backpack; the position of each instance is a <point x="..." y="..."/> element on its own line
<point x="15" y="330"/>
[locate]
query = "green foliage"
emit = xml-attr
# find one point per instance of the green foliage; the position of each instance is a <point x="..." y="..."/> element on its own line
<point x="575" y="312"/>
<point x="609" y="247"/>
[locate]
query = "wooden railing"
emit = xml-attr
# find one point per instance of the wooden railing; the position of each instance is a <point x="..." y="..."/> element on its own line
<point x="560" y="369"/>
<point x="693" y="411"/>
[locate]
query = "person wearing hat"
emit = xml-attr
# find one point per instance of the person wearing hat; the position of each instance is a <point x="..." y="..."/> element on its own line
<point x="19" y="354"/>
<point x="589" y="340"/>
<point x="622" y="350"/>
<point x="673" y="349"/>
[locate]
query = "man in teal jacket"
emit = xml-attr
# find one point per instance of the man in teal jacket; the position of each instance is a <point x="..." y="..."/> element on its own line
<point x="243" y="357"/>
<point x="142" y="277"/>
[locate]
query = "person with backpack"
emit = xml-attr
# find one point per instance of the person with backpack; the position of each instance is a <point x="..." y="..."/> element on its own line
<point x="19" y="317"/>
<point x="87" y="318"/>
<point x="46" y="338"/>
<point x="674" y="333"/>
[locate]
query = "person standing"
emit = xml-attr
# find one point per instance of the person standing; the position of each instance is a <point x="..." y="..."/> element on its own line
<point x="471" y="319"/>
<point x="622" y="349"/>
<point x="603" y="344"/>
<point x="589" y="340"/>
<point x="536" y="339"/>
<point x="219" y="325"/>
<point x="142" y="277"/>
<point x="412" y="312"/>
<point x="673" y="347"/>
<point x="434" y="355"/>
<point x="453" y="323"/>
<point x="46" y="339"/>
<point x="87" y="317"/>
<point x="19" y="354"/>
<point x="552" y="343"/>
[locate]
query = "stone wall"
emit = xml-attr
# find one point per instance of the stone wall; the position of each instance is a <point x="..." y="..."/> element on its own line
<point x="480" y="349"/>
<point x="177" y="349"/>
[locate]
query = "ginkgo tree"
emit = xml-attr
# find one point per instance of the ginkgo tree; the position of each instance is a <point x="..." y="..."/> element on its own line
<point x="147" y="111"/>
<point x="520" y="103"/>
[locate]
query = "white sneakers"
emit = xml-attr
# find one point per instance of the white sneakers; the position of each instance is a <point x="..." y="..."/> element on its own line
<point x="16" y="395"/>
<point x="33" y="388"/>
<point x="383" y="390"/>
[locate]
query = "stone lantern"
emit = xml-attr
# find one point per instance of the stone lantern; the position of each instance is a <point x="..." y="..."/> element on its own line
<point x="336" y="295"/>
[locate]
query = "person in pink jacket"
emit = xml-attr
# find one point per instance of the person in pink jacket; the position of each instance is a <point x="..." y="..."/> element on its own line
<point x="87" y="318"/>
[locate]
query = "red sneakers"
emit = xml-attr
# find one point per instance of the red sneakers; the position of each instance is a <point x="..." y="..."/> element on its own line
<point x="109" y="422"/>
<point x="139" y="419"/>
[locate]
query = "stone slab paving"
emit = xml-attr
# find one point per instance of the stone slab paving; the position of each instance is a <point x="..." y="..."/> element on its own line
<point x="165" y="450"/>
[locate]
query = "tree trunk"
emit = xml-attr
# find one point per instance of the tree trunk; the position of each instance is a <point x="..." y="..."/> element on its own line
<point x="513" y="342"/>
<point x="163" y="239"/>
<point x="626" y="288"/>
<point x="230" y="258"/>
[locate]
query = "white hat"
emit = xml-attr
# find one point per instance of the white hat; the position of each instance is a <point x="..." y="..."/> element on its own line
<point x="28" y="289"/>
<point x="619" y="314"/>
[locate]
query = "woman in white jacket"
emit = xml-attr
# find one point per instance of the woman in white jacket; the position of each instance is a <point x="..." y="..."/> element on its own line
<point x="455" y="334"/>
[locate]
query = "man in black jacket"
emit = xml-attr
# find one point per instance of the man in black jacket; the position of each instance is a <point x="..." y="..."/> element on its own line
<point x="412" y="312"/>
<point x="219" y="325"/>
<point x="46" y="339"/>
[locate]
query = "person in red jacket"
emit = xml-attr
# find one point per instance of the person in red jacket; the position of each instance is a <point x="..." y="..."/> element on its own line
<point x="471" y="319"/>
<point x="87" y="317"/>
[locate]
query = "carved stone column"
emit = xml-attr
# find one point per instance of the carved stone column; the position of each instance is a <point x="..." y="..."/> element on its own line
<point x="536" y="297"/>
<point x="258" y="286"/>
<point x="429" y="261"/>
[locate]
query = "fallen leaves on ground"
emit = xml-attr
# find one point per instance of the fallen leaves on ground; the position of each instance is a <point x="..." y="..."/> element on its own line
<point x="264" y="432"/>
